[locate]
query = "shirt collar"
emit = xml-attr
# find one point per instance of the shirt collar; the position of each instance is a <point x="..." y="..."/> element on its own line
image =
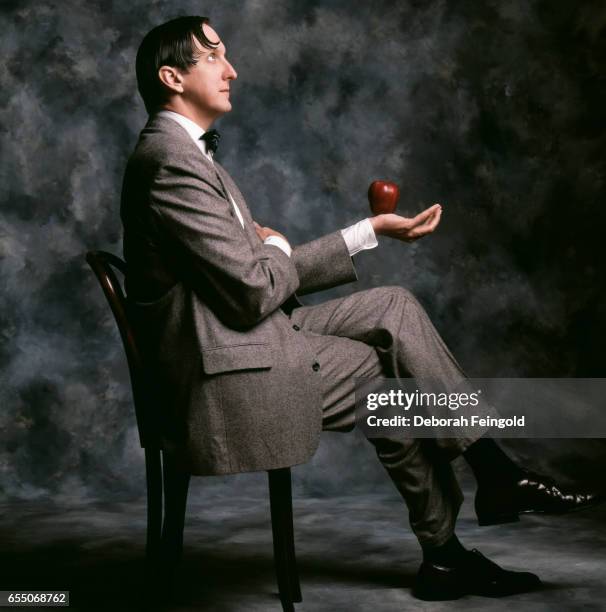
<point x="192" y="128"/>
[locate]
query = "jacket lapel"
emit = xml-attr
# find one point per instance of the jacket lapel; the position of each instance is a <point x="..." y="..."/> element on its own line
<point x="219" y="178"/>
<point x="230" y="186"/>
<point x="174" y="131"/>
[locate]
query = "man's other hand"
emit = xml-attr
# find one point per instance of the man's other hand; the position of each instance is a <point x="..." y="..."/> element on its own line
<point x="266" y="232"/>
<point x="403" y="228"/>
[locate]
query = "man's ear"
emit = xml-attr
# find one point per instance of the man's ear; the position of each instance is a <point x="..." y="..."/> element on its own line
<point x="171" y="77"/>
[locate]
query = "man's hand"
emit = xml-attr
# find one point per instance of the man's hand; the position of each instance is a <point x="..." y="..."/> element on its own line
<point x="266" y="232"/>
<point x="406" y="229"/>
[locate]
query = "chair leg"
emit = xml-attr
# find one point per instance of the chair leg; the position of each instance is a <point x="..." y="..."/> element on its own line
<point x="280" y="495"/>
<point x="293" y="572"/>
<point x="153" y="554"/>
<point x="176" y="485"/>
<point x="153" y="476"/>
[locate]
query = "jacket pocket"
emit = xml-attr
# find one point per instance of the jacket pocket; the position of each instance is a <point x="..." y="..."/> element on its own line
<point x="237" y="357"/>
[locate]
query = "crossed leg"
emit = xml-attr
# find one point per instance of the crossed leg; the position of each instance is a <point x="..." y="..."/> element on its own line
<point x="392" y="322"/>
<point x="381" y="333"/>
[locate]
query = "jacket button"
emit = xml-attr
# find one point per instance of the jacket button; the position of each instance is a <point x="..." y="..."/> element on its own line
<point x="315" y="367"/>
<point x="296" y="328"/>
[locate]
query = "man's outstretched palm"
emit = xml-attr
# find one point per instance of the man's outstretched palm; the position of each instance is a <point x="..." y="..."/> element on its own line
<point x="407" y="229"/>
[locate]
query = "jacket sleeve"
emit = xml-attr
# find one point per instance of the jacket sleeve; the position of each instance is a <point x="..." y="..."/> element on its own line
<point x="241" y="284"/>
<point x="323" y="263"/>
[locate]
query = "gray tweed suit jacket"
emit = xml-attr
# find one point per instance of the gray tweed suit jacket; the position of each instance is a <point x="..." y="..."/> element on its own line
<point x="236" y="385"/>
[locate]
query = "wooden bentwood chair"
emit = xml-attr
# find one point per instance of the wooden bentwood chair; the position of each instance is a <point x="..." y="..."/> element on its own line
<point x="165" y="534"/>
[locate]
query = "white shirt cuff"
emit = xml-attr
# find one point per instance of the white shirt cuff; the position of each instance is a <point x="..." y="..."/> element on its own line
<point x="280" y="243"/>
<point x="359" y="237"/>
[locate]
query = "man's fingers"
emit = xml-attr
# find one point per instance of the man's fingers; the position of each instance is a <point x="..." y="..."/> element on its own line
<point x="426" y="228"/>
<point x="433" y="222"/>
<point x="425" y="215"/>
<point x="261" y="231"/>
<point x="421" y="217"/>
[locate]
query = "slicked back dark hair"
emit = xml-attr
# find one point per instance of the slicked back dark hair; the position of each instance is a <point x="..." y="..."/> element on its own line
<point x="169" y="44"/>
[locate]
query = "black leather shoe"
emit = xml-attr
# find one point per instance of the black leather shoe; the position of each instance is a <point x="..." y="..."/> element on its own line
<point x="474" y="575"/>
<point x="531" y="493"/>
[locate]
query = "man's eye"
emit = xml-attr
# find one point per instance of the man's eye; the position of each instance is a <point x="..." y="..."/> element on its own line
<point x="212" y="57"/>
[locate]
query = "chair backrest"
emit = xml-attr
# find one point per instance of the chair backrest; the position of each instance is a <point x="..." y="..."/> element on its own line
<point x="103" y="265"/>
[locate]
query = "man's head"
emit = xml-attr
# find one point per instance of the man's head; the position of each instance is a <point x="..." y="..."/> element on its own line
<point x="181" y="65"/>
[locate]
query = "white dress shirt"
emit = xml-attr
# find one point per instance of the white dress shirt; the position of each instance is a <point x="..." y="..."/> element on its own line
<point x="358" y="237"/>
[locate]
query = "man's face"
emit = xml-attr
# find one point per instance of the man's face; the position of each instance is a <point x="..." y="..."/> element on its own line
<point x="206" y="84"/>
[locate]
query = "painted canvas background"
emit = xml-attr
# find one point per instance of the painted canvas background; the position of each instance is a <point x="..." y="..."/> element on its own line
<point x="494" y="109"/>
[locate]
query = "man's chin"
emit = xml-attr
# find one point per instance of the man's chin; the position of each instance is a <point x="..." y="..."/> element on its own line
<point x="224" y="108"/>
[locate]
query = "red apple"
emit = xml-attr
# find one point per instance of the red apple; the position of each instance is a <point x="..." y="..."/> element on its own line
<point x="383" y="197"/>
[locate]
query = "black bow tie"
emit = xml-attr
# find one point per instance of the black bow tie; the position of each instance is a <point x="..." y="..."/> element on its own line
<point x="211" y="138"/>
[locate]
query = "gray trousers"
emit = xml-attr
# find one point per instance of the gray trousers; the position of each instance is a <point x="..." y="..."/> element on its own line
<point x="379" y="333"/>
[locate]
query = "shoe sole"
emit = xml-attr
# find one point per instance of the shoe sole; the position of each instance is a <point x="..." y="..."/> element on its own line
<point x="500" y="519"/>
<point x="432" y="595"/>
<point x="454" y="595"/>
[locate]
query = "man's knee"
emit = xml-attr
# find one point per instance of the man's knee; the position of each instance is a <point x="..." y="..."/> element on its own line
<point x="396" y="293"/>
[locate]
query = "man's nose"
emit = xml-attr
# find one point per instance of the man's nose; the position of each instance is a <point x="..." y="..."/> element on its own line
<point x="230" y="72"/>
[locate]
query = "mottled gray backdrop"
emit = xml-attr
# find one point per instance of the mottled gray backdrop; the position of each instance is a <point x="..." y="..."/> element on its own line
<point x="496" y="109"/>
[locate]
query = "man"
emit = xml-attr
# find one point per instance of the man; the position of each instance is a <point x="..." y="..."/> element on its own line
<point x="250" y="377"/>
